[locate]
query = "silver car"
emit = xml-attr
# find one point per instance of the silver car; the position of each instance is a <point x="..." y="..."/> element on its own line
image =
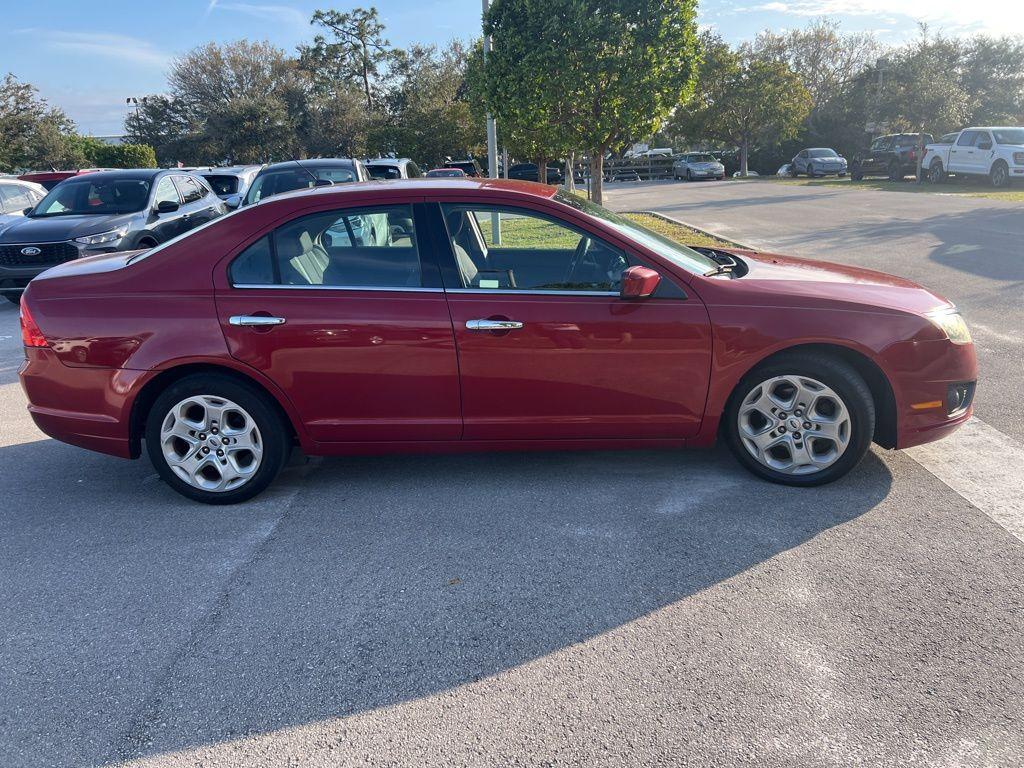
<point x="231" y="183"/>
<point x="698" y="165"/>
<point x="820" y="161"/>
<point x="16" y="196"/>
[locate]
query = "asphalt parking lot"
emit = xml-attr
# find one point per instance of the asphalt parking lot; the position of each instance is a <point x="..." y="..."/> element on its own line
<point x="618" y="609"/>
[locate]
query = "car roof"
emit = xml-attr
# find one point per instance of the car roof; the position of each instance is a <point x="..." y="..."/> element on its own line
<point x="313" y="162"/>
<point x="388" y="161"/>
<point x="423" y="185"/>
<point x="130" y="173"/>
<point x="229" y="170"/>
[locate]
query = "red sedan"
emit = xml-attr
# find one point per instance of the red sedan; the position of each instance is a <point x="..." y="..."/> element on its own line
<point x="478" y="315"/>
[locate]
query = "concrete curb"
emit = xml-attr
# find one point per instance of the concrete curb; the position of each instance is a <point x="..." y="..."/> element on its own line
<point x="704" y="232"/>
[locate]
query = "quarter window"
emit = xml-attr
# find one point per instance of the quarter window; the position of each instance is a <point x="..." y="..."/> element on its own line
<point x="517" y="249"/>
<point x="367" y="247"/>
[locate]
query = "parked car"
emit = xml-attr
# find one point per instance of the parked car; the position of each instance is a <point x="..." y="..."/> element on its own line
<point x="748" y="175"/>
<point x="470" y="167"/>
<point x="528" y="172"/>
<point x="581" y="328"/>
<point x="302" y="174"/>
<point x="893" y="156"/>
<point x="16" y="196"/>
<point x="440" y="173"/>
<point x="816" y="162"/>
<point x="50" y="179"/>
<point x="99" y="213"/>
<point x="623" y="174"/>
<point x="698" y="165"/>
<point x="393" y="168"/>
<point x="997" y="153"/>
<point x="230" y="183"/>
<point x="784" y="170"/>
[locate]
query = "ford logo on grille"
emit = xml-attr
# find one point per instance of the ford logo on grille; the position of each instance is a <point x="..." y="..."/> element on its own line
<point x="31" y="251"/>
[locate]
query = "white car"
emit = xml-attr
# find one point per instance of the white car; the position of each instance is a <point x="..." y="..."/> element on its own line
<point x="995" y="152"/>
<point x="16" y="195"/>
<point x="393" y="168"/>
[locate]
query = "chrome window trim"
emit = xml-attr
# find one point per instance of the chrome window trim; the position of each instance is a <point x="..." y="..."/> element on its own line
<point x="272" y="287"/>
<point x="531" y="292"/>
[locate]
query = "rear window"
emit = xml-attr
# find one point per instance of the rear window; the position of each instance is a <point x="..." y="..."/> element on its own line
<point x="221" y="184"/>
<point x="384" y="171"/>
<point x="290" y="179"/>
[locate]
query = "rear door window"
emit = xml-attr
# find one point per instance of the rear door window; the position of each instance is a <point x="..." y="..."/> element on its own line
<point x="967" y="139"/>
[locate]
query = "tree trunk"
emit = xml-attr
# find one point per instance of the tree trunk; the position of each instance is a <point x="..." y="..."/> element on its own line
<point x="542" y="170"/>
<point x="744" y="151"/>
<point x="597" y="176"/>
<point x="920" y="155"/>
<point x="570" y="167"/>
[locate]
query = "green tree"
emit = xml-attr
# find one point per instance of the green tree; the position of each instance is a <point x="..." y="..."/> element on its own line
<point x="744" y="100"/>
<point x="355" y="51"/>
<point x="32" y="133"/>
<point x="590" y="74"/>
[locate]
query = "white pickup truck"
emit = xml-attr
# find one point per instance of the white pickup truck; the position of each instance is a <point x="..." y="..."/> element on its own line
<point x="989" y="151"/>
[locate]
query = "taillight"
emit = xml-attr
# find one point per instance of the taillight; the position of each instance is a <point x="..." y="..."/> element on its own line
<point x="31" y="336"/>
<point x="913" y="154"/>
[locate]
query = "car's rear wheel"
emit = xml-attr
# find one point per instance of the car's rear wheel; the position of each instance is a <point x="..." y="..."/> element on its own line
<point x="800" y="420"/>
<point x="215" y="439"/>
<point x="936" y="173"/>
<point x="895" y="172"/>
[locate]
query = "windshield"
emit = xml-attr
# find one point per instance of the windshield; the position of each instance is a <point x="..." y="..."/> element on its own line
<point x="294" y="177"/>
<point x="100" y="196"/>
<point x="222" y="185"/>
<point x="678" y="254"/>
<point x="1009" y="136"/>
<point x="700" y="158"/>
<point x="822" y="153"/>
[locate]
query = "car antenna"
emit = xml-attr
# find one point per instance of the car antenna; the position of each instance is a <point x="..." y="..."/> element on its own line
<point x="317" y="182"/>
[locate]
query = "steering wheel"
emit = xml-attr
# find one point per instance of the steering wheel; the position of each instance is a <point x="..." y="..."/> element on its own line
<point x="577" y="258"/>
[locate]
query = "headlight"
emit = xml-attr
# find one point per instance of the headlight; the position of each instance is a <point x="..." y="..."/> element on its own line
<point x="953" y="325"/>
<point x="102" y="238"/>
<point x="1018" y="158"/>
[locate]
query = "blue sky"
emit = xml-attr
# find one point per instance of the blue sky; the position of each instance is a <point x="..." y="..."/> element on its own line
<point x="88" y="57"/>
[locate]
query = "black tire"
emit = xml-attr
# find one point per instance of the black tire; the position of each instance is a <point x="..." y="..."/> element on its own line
<point x="793" y="172"/>
<point x="936" y="174"/>
<point x="275" y="434"/>
<point x="999" y="176"/>
<point x="689" y="176"/>
<point x="856" y="174"/>
<point x="832" y="372"/>
<point x="13" y="296"/>
<point x="895" y="172"/>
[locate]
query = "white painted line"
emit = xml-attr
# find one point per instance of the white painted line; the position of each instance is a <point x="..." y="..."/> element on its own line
<point x="985" y="467"/>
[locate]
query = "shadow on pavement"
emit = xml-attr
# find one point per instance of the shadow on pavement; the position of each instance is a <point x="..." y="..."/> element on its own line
<point x="144" y="624"/>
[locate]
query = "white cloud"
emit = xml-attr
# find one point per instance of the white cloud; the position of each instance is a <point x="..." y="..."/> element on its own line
<point x="275" y="14"/>
<point x="102" y="44"/>
<point x="953" y="16"/>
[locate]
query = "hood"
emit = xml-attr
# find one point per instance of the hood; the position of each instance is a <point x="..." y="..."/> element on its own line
<point x="52" y="229"/>
<point x="705" y="164"/>
<point x="786" y="280"/>
<point x="91" y="265"/>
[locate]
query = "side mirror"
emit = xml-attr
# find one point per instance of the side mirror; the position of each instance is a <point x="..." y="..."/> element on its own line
<point x="167" y="206"/>
<point x="639" y="283"/>
<point x="233" y="201"/>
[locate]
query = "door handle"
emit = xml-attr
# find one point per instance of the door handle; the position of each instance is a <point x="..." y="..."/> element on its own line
<point x="257" y="320"/>
<point x="493" y="325"/>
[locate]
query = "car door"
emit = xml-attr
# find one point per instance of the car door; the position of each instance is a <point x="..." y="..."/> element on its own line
<point x="876" y="160"/>
<point x="981" y="159"/>
<point x="197" y="206"/>
<point x="548" y="349"/>
<point x="801" y="161"/>
<point x="169" y="224"/>
<point x="344" y="310"/>
<point x="961" y="154"/>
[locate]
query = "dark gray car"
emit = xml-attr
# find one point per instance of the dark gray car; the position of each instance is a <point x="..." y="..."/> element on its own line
<point x="101" y="213"/>
<point x="303" y="174"/>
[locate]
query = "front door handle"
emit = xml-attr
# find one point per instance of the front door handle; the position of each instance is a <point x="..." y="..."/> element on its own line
<point x="257" y="320"/>
<point x="493" y="325"/>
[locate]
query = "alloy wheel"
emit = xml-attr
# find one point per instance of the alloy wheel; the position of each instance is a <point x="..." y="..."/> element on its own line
<point x="211" y="443"/>
<point x="794" y="424"/>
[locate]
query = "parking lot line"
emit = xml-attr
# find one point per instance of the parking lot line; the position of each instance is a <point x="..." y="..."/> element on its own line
<point x="983" y="466"/>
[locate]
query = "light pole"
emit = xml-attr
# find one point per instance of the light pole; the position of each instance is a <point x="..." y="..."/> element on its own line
<point x="492" y="142"/>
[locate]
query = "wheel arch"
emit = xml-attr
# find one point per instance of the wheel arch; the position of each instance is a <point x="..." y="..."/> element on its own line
<point x="151" y="390"/>
<point x="881" y="389"/>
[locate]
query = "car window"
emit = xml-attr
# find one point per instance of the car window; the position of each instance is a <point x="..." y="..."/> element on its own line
<point x="983" y="138"/>
<point x="384" y="171"/>
<point x="191" y="190"/>
<point x="499" y="248"/>
<point x="881" y="145"/>
<point x="1009" y="135"/>
<point x="354" y="248"/>
<point x="967" y="139"/>
<point x="413" y="170"/>
<point x="222" y="184"/>
<point x="83" y="195"/>
<point x="15" y="198"/>
<point x="165" y="191"/>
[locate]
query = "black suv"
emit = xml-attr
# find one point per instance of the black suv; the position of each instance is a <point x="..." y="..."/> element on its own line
<point x="100" y="213"/>
<point x="893" y="156"/>
<point x="469" y="167"/>
<point x="528" y="172"/>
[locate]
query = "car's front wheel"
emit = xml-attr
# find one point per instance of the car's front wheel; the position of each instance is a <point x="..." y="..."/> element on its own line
<point x="800" y="419"/>
<point x="215" y="439"/>
<point x="999" y="176"/>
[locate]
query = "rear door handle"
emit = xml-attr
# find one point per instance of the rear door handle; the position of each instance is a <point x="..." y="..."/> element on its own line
<point x="257" y="320"/>
<point x="493" y="325"/>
